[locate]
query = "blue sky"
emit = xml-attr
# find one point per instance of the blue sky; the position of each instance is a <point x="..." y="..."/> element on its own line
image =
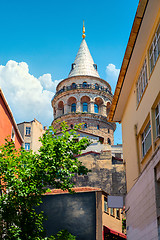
<point x="39" y="41"/>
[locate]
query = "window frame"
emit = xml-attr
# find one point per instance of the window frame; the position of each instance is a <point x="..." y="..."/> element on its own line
<point x="154" y="49"/>
<point x="106" y="209"/>
<point x="157" y="119"/>
<point x="28" y="131"/>
<point x="25" y="146"/>
<point x="144" y="138"/>
<point x="84" y="105"/>
<point x="112" y="213"/>
<point x="142" y="81"/>
<point x="73" y="107"/>
<point x="96" y="108"/>
<point x="13" y="134"/>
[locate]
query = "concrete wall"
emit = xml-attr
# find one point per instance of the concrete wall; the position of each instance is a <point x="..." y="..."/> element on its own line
<point x="6" y="125"/>
<point x="74" y="212"/>
<point x="142" y="205"/>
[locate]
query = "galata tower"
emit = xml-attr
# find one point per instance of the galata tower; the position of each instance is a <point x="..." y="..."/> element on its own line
<point x="85" y="98"/>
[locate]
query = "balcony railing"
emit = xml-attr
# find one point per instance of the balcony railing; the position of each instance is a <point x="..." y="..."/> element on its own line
<point x="84" y="86"/>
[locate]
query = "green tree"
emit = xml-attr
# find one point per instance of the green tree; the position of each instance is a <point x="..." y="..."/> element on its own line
<point x="26" y="175"/>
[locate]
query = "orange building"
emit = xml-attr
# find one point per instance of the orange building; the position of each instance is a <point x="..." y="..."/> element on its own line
<point x="8" y="126"/>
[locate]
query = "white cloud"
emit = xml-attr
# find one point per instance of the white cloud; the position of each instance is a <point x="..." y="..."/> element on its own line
<point x="29" y="97"/>
<point x="112" y="75"/>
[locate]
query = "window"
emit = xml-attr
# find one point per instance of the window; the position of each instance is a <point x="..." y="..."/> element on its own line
<point x="85" y="107"/>
<point x="73" y="107"/>
<point x="157" y="117"/>
<point x="112" y="212"/>
<point x="73" y="66"/>
<point x="142" y="82"/>
<point x="98" y="126"/>
<point x="96" y="86"/>
<point x="118" y="213"/>
<point x="84" y="84"/>
<point x="154" y="49"/>
<point x="72" y="126"/>
<point x="28" y="130"/>
<point x="96" y="108"/>
<point x="106" y="205"/>
<point x="95" y="66"/>
<point x="74" y="85"/>
<point x="109" y="141"/>
<point x="27" y="146"/>
<point x="85" y="125"/>
<point x="146" y="139"/>
<point x="108" y="130"/>
<point x="13" y="135"/>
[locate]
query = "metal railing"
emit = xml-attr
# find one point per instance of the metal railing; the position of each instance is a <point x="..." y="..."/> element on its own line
<point x="84" y="86"/>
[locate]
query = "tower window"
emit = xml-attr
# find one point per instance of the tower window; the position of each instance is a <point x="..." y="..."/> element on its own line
<point x="74" y="85"/>
<point x="85" y="107"/>
<point x="109" y="141"/>
<point x="96" y="108"/>
<point x="98" y="126"/>
<point x="95" y="66"/>
<point x="96" y="86"/>
<point x="84" y="84"/>
<point x="108" y="130"/>
<point x="85" y="125"/>
<point x="73" y="66"/>
<point x="73" y="107"/>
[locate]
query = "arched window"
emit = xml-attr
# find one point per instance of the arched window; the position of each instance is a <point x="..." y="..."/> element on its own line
<point x="73" y="107"/>
<point x="96" y="108"/>
<point x="98" y="126"/>
<point x="85" y="107"/>
<point x="109" y="141"/>
<point x="96" y="86"/>
<point x="85" y="125"/>
<point x="108" y="130"/>
<point x="61" y="108"/>
<point x="74" y="85"/>
<point x="84" y="84"/>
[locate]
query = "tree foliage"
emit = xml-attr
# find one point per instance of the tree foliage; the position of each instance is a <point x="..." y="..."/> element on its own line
<point x="25" y="176"/>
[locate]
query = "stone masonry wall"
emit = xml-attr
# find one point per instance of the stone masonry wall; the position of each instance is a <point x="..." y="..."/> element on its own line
<point x="104" y="174"/>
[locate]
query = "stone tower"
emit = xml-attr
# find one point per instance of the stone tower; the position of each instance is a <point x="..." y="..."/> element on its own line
<point x="84" y="97"/>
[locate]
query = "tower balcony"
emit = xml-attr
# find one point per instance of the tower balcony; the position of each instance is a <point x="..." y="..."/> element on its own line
<point x="84" y="86"/>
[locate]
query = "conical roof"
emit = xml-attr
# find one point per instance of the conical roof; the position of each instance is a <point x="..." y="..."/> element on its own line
<point x="83" y="64"/>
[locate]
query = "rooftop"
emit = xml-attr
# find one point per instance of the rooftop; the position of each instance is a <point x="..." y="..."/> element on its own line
<point x="83" y="64"/>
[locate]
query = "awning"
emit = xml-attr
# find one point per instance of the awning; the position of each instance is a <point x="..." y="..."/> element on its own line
<point x="109" y="230"/>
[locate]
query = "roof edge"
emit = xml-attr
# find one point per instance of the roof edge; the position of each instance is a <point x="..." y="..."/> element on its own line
<point x="127" y="56"/>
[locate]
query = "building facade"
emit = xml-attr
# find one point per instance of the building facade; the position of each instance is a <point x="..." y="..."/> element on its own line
<point x="8" y="126"/>
<point x="84" y="214"/>
<point x="31" y="132"/>
<point x="136" y="104"/>
<point x="107" y="170"/>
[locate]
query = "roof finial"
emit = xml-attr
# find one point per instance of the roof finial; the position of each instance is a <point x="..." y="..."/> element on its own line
<point x="83" y="35"/>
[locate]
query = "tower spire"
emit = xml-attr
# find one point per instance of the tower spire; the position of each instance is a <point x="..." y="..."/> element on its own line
<point x="83" y="31"/>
